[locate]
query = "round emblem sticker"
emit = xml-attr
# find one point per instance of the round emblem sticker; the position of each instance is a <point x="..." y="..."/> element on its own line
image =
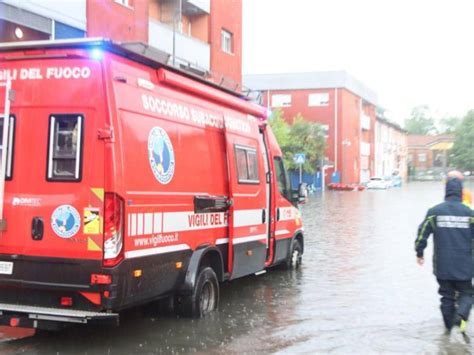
<point x="65" y="221"/>
<point x="161" y="155"/>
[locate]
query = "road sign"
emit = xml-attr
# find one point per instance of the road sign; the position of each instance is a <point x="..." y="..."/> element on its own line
<point x="299" y="158"/>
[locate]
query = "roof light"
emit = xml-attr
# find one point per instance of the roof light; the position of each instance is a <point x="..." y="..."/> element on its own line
<point x="97" y="54"/>
<point x="18" y="33"/>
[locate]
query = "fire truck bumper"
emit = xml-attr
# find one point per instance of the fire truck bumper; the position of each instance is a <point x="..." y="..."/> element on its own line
<point x="15" y="315"/>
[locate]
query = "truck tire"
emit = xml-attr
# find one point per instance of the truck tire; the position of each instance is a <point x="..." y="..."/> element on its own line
<point x="204" y="298"/>
<point x="295" y="258"/>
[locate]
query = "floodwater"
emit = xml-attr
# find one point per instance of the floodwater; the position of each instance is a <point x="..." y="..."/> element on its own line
<point x="359" y="291"/>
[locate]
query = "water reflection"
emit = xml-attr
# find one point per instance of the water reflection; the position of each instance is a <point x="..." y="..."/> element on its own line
<point x="359" y="291"/>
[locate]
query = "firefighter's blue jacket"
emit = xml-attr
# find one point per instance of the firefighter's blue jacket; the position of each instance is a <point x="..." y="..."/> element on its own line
<point x="452" y="225"/>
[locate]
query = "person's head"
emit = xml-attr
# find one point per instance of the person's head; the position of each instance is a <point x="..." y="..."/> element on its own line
<point x="453" y="189"/>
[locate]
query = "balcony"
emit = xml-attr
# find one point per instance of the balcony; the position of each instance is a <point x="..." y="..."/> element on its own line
<point x="196" y="7"/>
<point x="189" y="51"/>
<point x="365" y="121"/>
<point x="364" y="149"/>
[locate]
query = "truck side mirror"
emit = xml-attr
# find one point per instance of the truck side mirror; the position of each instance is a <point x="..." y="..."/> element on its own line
<point x="300" y="195"/>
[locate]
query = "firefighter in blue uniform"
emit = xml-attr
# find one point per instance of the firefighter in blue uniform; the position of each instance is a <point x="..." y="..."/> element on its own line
<point x="452" y="225"/>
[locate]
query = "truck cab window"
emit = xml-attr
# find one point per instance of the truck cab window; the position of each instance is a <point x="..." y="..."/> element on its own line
<point x="11" y="140"/>
<point x="65" y="146"/>
<point x="281" y="176"/>
<point x="247" y="165"/>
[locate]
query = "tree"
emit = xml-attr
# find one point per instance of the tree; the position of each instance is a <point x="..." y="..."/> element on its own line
<point x="448" y="125"/>
<point x="419" y="122"/>
<point x="463" y="149"/>
<point x="300" y="137"/>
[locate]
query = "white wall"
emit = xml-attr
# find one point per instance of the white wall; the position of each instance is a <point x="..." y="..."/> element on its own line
<point x="70" y="12"/>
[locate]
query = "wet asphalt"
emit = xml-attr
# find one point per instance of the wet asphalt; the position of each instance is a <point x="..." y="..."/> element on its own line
<point x="358" y="291"/>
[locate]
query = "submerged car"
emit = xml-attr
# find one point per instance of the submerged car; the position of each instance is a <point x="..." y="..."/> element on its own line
<point x="378" y="183"/>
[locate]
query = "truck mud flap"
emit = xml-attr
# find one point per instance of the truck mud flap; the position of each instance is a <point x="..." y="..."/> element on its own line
<point x="51" y="318"/>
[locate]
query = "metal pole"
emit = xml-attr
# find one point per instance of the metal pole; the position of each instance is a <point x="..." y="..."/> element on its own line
<point x="301" y="174"/>
<point x="3" y="163"/>
<point x="323" y="173"/>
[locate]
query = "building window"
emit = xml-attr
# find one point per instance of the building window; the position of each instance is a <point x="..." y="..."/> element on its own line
<point x="63" y="31"/>
<point x="247" y="165"/>
<point x="126" y="3"/>
<point x="65" y="146"/>
<point x="325" y="129"/>
<point x="422" y="157"/>
<point x="318" y="99"/>
<point x="226" y="41"/>
<point x="281" y="100"/>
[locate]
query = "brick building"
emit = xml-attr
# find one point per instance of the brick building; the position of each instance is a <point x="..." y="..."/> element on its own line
<point x="343" y="105"/>
<point x="428" y="153"/>
<point x="205" y="36"/>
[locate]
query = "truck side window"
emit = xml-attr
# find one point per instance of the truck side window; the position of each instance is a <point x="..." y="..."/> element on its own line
<point x="281" y="176"/>
<point x="65" y="146"/>
<point x="247" y="165"/>
<point x="11" y="142"/>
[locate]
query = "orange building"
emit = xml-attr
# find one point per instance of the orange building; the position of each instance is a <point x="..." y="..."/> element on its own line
<point x="343" y="105"/>
<point x="202" y="36"/>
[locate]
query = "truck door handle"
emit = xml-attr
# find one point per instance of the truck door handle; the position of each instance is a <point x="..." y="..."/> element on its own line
<point x="264" y="216"/>
<point x="37" y="228"/>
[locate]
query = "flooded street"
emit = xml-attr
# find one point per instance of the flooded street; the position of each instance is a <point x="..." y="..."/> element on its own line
<point x="359" y="291"/>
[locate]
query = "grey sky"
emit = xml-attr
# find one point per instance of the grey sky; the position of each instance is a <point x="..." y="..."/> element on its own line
<point x="409" y="52"/>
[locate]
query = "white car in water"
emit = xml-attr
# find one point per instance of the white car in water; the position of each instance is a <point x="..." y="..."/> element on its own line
<point x="377" y="182"/>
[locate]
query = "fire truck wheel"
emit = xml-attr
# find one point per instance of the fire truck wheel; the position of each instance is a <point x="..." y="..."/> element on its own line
<point x="205" y="296"/>
<point x="293" y="262"/>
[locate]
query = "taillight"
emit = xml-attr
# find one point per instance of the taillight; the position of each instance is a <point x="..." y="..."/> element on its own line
<point x="113" y="229"/>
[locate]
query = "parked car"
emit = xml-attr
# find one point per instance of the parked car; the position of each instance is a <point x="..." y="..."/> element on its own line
<point x="378" y="183"/>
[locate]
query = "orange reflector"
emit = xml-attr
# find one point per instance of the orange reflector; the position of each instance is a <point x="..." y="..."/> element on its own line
<point x="14" y="322"/>
<point x="106" y="294"/>
<point x="66" y="301"/>
<point x="137" y="273"/>
<point x="179" y="265"/>
<point x="100" y="279"/>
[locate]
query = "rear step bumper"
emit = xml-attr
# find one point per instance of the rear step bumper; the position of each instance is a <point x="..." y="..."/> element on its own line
<point x="51" y="318"/>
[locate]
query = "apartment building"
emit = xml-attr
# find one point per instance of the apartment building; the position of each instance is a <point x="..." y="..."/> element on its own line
<point x="202" y="36"/>
<point x="428" y="153"/>
<point x="342" y="104"/>
<point x="390" y="148"/>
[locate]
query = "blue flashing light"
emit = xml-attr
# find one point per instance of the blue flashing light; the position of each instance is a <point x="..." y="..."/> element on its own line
<point x="97" y="54"/>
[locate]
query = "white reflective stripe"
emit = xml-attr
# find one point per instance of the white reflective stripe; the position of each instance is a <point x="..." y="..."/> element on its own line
<point x="139" y="223"/>
<point x="157" y="217"/>
<point x="462" y="225"/>
<point x="148" y="225"/>
<point x="282" y="232"/>
<point x="243" y="218"/>
<point x="154" y="251"/>
<point x="222" y="241"/>
<point x="251" y="238"/>
<point x="133" y="228"/>
<point x="188" y="221"/>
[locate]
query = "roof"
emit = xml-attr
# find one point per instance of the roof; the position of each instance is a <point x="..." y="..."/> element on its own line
<point x="390" y="123"/>
<point x="311" y="80"/>
<point x="427" y="141"/>
<point x="136" y="51"/>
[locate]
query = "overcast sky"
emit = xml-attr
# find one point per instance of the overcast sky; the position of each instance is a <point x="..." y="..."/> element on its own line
<point x="410" y="52"/>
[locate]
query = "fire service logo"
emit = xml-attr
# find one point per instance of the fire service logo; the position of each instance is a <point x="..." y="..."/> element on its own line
<point x="65" y="221"/>
<point x="161" y="155"/>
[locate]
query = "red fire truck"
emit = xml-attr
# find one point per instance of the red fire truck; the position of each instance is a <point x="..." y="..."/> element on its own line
<point x="125" y="181"/>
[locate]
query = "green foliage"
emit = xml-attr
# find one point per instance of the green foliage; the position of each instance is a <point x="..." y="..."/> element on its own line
<point x="463" y="149"/>
<point x="300" y="137"/>
<point x="448" y="125"/>
<point x="420" y="121"/>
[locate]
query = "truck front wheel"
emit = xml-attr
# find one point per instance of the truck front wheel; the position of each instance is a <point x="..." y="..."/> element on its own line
<point x="293" y="262"/>
<point x="205" y="296"/>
